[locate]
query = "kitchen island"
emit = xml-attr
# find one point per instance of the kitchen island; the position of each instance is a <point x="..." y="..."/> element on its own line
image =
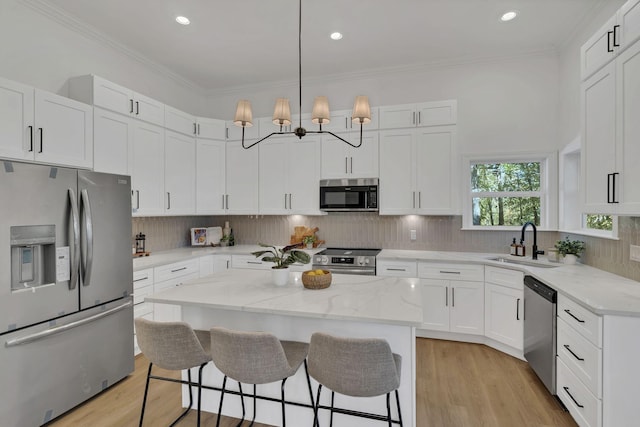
<point x="353" y="306"/>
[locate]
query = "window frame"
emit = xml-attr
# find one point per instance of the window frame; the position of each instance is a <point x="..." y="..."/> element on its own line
<point x="548" y="192"/>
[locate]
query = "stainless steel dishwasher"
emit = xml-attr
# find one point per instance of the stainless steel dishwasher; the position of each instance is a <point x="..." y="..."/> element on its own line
<point x="540" y="330"/>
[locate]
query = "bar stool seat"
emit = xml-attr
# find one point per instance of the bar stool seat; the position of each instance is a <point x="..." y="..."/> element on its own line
<point x="256" y="358"/>
<point x="173" y="346"/>
<point x="358" y="367"/>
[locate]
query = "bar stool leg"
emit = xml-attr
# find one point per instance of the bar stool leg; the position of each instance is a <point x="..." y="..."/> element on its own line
<point x="199" y="390"/>
<point x="315" y="407"/>
<point x="241" y="401"/>
<point x="389" y="410"/>
<point x="284" y="418"/>
<point x="399" y="411"/>
<point x="224" y="383"/>
<point x="306" y="371"/>
<point x="254" y="405"/>
<point x="333" y="393"/>
<point x="186" y="411"/>
<point x="146" y="390"/>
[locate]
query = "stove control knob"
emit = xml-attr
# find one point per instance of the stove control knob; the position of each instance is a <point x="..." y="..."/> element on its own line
<point x="325" y="259"/>
<point x="366" y="260"/>
<point x="361" y="260"/>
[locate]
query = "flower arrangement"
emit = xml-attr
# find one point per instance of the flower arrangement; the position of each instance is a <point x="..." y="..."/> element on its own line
<point x="570" y="247"/>
<point x="282" y="258"/>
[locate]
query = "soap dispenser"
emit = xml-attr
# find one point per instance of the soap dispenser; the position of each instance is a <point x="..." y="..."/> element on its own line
<point x="513" y="247"/>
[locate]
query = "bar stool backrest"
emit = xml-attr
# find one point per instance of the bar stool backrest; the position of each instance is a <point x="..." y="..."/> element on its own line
<point x="361" y="367"/>
<point x="170" y="345"/>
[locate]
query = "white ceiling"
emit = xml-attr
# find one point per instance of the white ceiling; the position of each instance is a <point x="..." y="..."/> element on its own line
<point x="235" y="43"/>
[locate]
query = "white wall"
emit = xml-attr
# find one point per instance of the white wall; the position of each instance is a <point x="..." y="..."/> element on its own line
<point x="509" y="104"/>
<point x="41" y="52"/>
<point x="570" y="71"/>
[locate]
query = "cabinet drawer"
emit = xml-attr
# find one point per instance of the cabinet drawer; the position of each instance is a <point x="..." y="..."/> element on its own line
<point x="177" y="269"/>
<point x="504" y="277"/>
<point x="581" y="319"/>
<point x="249" y="261"/>
<point x="142" y="278"/>
<point x="582" y="357"/>
<point x="584" y="407"/>
<point x="396" y="268"/>
<point x="140" y="293"/>
<point x="174" y="281"/>
<point x="144" y="310"/>
<point x="467" y="272"/>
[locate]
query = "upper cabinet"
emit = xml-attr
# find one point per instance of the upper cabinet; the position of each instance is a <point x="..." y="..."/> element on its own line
<point x="179" y="121"/>
<point x="234" y="133"/>
<point x="418" y="171"/>
<point x="102" y="93"/>
<point x="340" y="160"/>
<point x="44" y="127"/>
<point x="210" y="176"/>
<point x="147" y="179"/>
<point x="616" y="35"/>
<point x="241" y="197"/>
<point x="610" y="131"/>
<point x="210" y="128"/>
<point x="179" y="173"/>
<point x="423" y="114"/>
<point x="112" y="142"/>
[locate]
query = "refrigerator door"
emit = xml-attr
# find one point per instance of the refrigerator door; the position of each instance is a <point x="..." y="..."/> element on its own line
<point x="49" y="369"/>
<point x="36" y="244"/>
<point x="105" y="228"/>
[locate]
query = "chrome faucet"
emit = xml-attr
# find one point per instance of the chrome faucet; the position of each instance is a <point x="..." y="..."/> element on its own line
<point x="534" y="250"/>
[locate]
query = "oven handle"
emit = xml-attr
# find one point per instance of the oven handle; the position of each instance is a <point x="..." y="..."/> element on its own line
<point x="359" y="271"/>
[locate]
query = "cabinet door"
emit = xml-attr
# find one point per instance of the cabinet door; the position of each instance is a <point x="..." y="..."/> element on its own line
<point x="112" y="96"/>
<point x="179" y="121"/>
<point x="397" y="194"/>
<point x="210" y="176"/>
<point x="303" y="175"/>
<point x="437" y="113"/>
<point x="16" y="120"/>
<point x="112" y="142"/>
<point x="242" y="180"/>
<point x="398" y="116"/>
<point x="435" y="304"/>
<point x="598" y="139"/>
<point x="598" y="50"/>
<point x="340" y="121"/>
<point x="335" y="158"/>
<point x="363" y="161"/>
<point x="436" y="175"/>
<point x="273" y="188"/>
<point x="210" y="128"/>
<point x="467" y="307"/>
<point x="180" y="174"/>
<point x="628" y="129"/>
<point x="234" y="133"/>
<point x="64" y="130"/>
<point x="148" y="109"/>
<point x="148" y="169"/>
<point x="221" y="262"/>
<point x="503" y="319"/>
<point x="629" y="21"/>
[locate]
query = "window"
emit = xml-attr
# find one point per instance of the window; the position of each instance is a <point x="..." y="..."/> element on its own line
<point x="506" y="193"/>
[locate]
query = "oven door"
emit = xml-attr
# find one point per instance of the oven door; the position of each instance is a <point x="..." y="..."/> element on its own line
<point x="336" y="269"/>
<point x="345" y="199"/>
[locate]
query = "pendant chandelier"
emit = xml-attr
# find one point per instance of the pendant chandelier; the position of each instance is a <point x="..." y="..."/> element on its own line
<point x="320" y="114"/>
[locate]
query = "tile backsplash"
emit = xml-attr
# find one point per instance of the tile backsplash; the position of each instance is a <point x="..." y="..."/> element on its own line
<point x="360" y="230"/>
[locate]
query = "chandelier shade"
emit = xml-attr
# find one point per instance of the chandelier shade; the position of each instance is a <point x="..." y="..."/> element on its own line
<point x="320" y="114"/>
<point x="282" y="112"/>
<point x="361" y="110"/>
<point x="243" y="115"/>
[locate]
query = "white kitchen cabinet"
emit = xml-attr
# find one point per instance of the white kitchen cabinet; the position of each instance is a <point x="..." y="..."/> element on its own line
<point x="142" y="286"/>
<point x="210" y="128"/>
<point x="44" y="127"/>
<point x="179" y="174"/>
<point x="99" y="92"/>
<point x="241" y="196"/>
<point x="396" y="268"/>
<point x="452" y="297"/>
<point x="168" y="276"/>
<point x="234" y="133"/>
<point x="503" y="306"/>
<point x="112" y="142"/>
<point x="214" y="263"/>
<point x="418" y="171"/>
<point x="423" y="114"/>
<point x="616" y="35"/>
<point x="210" y="176"/>
<point x="340" y="160"/>
<point x="147" y="180"/>
<point x="180" y="121"/>
<point x="289" y="175"/>
<point x="610" y="131"/>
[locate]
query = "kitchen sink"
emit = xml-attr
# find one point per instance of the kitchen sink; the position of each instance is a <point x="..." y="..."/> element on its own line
<point x="530" y="263"/>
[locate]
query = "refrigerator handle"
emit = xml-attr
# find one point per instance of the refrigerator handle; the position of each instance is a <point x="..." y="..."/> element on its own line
<point x="87" y="263"/>
<point x="74" y="239"/>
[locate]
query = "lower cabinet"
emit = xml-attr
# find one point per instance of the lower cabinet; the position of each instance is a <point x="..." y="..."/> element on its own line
<point x="168" y="276"/>
<point x="453" y="306"/>
<point x="504" y="305"/>
<point x="210" y="264"/>
<point x="393" y="268"/>
<point x="142" y="285"/>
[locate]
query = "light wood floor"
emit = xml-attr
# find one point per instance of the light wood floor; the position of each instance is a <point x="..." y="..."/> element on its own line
<point x="458" y="385"/>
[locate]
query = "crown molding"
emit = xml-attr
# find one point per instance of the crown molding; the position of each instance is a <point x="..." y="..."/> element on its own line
<point x="72" y="23"/>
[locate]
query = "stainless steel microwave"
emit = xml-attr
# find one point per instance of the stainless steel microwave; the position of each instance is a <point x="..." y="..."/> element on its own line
<point x="349" y="195"/>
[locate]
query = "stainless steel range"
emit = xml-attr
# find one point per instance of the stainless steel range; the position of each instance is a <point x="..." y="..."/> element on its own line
<point x="347" y="261"/>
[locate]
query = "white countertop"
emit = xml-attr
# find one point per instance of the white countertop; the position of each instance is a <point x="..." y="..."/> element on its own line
<point x="358" y="298"/>
<point x="601" y="292"/>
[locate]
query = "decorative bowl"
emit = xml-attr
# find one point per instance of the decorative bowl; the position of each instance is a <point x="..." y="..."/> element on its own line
<point x="316" y="282"/>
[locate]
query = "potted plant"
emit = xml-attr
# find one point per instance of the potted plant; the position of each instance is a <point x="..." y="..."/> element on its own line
<point x="309" y="241"/>
<point x="282" y="258"/>
<point x="570" y="249"/>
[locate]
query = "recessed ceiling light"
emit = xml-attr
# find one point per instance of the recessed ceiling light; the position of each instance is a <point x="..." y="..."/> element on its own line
<point x="336" y="36"/>
<point x="508" y="16"/>
<point x="183" y="20"/>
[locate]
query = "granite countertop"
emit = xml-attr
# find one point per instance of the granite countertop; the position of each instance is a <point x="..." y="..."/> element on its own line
<point x="601" y="292"/>
<point x="374" y="299"/>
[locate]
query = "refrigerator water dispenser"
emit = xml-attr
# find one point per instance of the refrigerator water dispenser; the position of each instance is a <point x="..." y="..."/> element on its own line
<point x="33" y="256"/>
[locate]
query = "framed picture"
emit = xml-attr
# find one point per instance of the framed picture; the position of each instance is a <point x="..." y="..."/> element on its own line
<point x="198" y="236"/>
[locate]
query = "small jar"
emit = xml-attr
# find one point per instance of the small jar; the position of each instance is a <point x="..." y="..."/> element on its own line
<point x="552" y="255"/>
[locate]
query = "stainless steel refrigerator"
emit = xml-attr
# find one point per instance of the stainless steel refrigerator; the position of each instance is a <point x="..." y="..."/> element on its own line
<point x="66" y="313"/>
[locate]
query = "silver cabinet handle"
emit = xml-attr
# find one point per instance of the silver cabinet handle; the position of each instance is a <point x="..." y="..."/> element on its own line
<point x="449" y="272"/>
<point x="345" y="165"/>
<point x="351" y="164"/>
<point x="413" y="121"/>
<point x="223" y="201"/>
<point x="198" y="128"/>
<point x="41" y="140"/>
<point x="56" y="330"/>
<point x="168" y="200"/>
<point x="30" y="138"/>
<point x="414" y="199"/>
<point x="254" y="262"/>
<point x="446" y="296"/>
<point x="131" y="107"/>
<point x="137" y="108"/>
<point x="419" y="117"/>
<point x="396" y="269"/>
<point x="137" y="199"/>
<point x="195" y="128"/>
<point x="419" y="199"/>
<point x="74" y="240"/>
<point x="88" y="221"/>
<point x="141" y="279"/>
<point x="226" y="199"/>
<point x="178" y="269"/>
<point x="453" y="296"/>
<point x="290" y="197"/>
